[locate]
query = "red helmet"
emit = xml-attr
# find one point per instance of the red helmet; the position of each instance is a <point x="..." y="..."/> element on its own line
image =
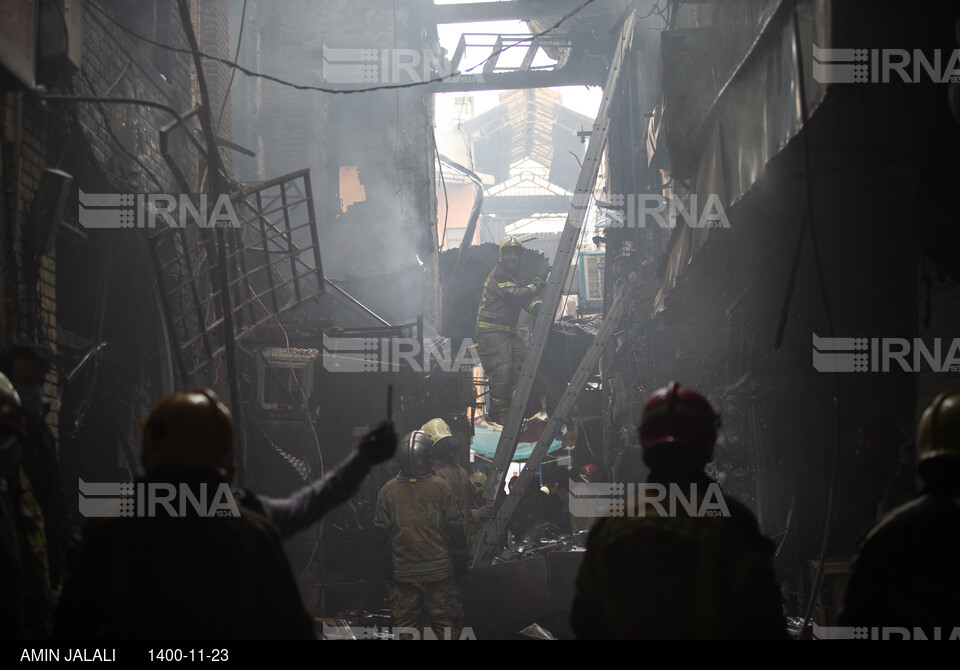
<point x="590" y="473"/>
<point x="678" y="415"/>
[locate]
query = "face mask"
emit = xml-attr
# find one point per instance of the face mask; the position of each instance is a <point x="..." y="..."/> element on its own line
<point x="9" y="453"/>
<point x="33" y="399"/>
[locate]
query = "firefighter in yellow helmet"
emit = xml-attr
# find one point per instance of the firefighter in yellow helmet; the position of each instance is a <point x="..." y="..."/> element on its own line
<point x="906" y="571"/>
<point x="501" y="349"/>
<point x="446" y="467"/>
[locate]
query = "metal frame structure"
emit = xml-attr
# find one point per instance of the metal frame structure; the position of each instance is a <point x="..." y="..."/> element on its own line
<point x="273" y="266"/>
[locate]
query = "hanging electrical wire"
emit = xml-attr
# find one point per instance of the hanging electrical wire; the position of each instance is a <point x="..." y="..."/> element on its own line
<point x="323" y="89"/>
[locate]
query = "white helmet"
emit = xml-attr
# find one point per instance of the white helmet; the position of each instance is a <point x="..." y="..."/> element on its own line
<point x="7" y="390"/>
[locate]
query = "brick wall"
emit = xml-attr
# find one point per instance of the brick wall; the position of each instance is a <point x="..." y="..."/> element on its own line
<point x="105" y="146"/>
<point x="388" y="134"/>
<point x="119" y="65"/>
<point x="212" y="25"/>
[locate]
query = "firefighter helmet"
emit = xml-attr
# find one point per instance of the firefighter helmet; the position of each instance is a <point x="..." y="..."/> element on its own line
<point x="679" y="415"/>
<point x="938" y="435"/>
<point x="414" y="454"/>
<point x="440" y="437"/>
<point x="7" y="392"/>
<point x="478" y="482"/>
<point x="12" y="420"/>
<point x="506" y="243"/>
<point x="191" y="429"/>
<point x="590" y="473"/>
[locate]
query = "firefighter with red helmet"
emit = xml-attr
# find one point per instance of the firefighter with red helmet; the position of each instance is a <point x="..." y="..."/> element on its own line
<point x="693" y="575"/>
<point x="590" y="474"/>
<point x="501" y="348"/>
<point x="905" y="574"/>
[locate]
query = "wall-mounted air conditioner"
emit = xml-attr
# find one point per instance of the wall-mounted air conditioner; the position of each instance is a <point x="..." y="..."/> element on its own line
<point x="285" y="377"/>
<point x="60" y="41"/>
<point x="590" y="266"/>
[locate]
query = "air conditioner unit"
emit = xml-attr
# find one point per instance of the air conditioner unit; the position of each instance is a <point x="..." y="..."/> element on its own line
<point x="285" y="377"/>
<point x="18" y="44"/>
<point x="60" y="40"/>
<point x="591" y="265"/>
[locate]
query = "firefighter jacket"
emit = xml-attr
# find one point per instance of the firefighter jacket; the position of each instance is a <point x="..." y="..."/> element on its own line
<point x="424" y="523"/>
<point x="678" y="576"/>
<point x="182" y="575"/>
<point x="458" y="479"/>
<point x="504" y="295"/>
<point x="906" y="571"/>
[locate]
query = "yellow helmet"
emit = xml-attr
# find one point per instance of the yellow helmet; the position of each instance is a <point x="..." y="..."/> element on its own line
<point x="7" y="391"/>
<point x="478" y="482"/>
<point x="509" y="242"/>
<point x="938" y="435"/>
<point x="13" y="423"/>
<point x="436" y="430"/>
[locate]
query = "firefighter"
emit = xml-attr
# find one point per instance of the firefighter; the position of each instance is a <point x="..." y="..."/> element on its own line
<point x="181" y="570"/>
<point x="589" y="474"/>
<point x="423" y="550"/>
<point x="27" y="366"/>
<point x="478" y="482"/>
<point x="663" y="572"/>
<point x="906" y="571"/>
<point x="13" y="426"/>
<point x="27" y="608"/>
<point x="445" y="467"/>
<point x="500" y="347"/>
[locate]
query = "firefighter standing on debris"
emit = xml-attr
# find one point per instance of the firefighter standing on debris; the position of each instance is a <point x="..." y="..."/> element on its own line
<point x="500" y="347"/>
<point x="659" y="574"/>
<point x="445" y="467"/>
<point x="422" y="545"/>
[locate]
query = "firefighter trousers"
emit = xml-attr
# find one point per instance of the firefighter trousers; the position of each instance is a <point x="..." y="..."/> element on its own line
<point x="426" y="601"/>
<point x="501" y="353"/>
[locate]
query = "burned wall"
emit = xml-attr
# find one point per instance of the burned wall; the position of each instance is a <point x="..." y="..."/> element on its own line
<point x="382" y="248"/>
<point x="91" y="298"/>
